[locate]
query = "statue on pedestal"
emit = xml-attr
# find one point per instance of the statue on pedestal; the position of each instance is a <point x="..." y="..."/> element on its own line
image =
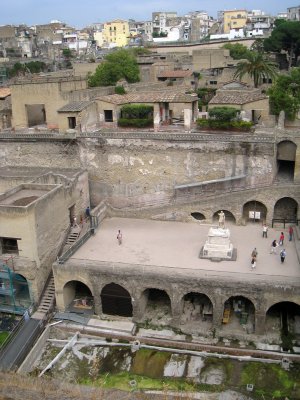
<point x="221" y="219"/>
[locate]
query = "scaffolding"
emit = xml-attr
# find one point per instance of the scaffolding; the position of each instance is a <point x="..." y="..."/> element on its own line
<point x="15" y="294"/>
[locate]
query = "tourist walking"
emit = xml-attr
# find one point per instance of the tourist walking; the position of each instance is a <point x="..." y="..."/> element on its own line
<point x="291" y="232"/>
<point x="265" y="231"/>
<point x="273" y="247"/>
<point x="254" y="253"/>
<point x="119" y="237"/>
<point x="282" y="255"/>
<point x="253" y="263"/>
<point x="281" y="239"/>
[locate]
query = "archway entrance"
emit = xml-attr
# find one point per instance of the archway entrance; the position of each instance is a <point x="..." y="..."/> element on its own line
<point x="157" y="305"/>
<point x="197" y="313"/>
<point x="78" y="298"/>
<point x="286" y="208"/>
<point x="116" y="300"/>
<point x="283" y="319"/>
<point x="238" y="315"/>
<point x="229" y="217"/>
<point x="14" y="291"/>
<point x="286" y="156"/>
<point x="198" y="216"/>
<point x="254" y="211"/>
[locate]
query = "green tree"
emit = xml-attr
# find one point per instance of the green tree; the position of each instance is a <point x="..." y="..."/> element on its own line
<point x="257" y="66"/>
<point x="224" y="114"/>
<point x="286" y="36"/>
<point x="120" y="64"/>
<point x="237" y="51"/>
<point x="285" y="94"/>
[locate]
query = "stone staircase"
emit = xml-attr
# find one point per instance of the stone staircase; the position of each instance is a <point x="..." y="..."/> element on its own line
<point x="73" y="236"/>
<point x="47" y="300"/>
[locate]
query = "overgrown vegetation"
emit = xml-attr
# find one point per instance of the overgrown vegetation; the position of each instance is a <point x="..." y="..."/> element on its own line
<point x="205" y="95"/>
<point x="237" y="51"/>
<point x="3" y="337"/>
<point x="136" y="115"/>
<point x="224" y="118"/>
<point x="120" y="64"/>
<point x="32" y="67"/>
<point x="285" y="94"/>
<point x="120" y="90"/>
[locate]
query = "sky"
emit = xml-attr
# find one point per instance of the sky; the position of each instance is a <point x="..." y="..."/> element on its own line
<point x="80" y="13"/>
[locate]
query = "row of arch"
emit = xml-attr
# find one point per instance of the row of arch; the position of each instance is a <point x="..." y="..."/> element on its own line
<point x="285" y="208"/>
<point x="193" y="306"/>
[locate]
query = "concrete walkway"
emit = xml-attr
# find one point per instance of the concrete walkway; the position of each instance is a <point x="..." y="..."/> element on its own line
<point x="176" y="245"/>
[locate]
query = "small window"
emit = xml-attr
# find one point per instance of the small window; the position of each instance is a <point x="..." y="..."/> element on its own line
<point x="9" y="246"/>
<point x="108" y="115"/>
<point x="72" y="122"/>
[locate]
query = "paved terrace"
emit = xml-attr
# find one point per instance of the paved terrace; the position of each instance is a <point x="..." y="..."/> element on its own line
<point x="173" y="248"/>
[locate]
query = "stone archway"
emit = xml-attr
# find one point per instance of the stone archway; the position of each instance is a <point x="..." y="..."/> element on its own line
<point x="116" y="300"/>
<point x="286" y="157"/>
<point x="283" y="319"/>
<point x="78" y="297"/>
<point x="197" y="312"/>
<point x="286" y="208"/>
<point x="157" y="306"/>
<point x="238" y="315"/>
<point x="198" y="216"/>
<point x="229" y="217"/>
<point x="254" y="211"/>
<point x="22" y="291"/>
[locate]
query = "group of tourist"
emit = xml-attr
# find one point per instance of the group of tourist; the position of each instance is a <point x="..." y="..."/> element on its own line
<point x="274" y="245"/>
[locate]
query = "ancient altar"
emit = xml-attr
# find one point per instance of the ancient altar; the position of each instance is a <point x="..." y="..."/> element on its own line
<point x="218" y="245"/>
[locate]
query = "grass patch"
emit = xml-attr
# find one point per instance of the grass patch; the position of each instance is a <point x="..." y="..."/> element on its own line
<point x="3" y="337"/>
<point x="271" y="379"/>
<point x="122" y="381"/>
<point x="150" y="363"/>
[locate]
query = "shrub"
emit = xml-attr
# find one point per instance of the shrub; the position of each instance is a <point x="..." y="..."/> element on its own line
<point x="136" y="122"/>
<point x="137" y="111"/>
<point x="243" y="126"/>
<point x="120" y="90"/>
<point x="223" y="113"/>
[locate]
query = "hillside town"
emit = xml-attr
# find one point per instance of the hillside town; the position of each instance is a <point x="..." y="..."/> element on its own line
<point x="150" y="207"/>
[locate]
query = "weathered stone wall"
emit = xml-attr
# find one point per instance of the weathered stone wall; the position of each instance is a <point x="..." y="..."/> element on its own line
<point x="132" y="172"/>
<point x="136" y="279"/>
<point x="135" y="172"/>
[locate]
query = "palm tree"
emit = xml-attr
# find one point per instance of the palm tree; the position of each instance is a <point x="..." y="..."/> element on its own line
<point x="257" y="66"/>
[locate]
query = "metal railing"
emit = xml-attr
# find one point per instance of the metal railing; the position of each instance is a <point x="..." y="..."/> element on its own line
<point x="285" y="221"/>
<point x="65" y="256"/>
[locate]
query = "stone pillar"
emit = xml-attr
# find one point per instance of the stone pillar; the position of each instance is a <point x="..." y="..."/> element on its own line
<point x="176" y="308"/>
<point x="59" y="296"/>
<point x="156" y="116"/>
<point x="218" y="315"/>
<point x="187" y="118"/>
<point x="195" y="110"/>
<point x="97" y="305"/>
<point x="260" y="323"/>
<point x="297" y="165"/>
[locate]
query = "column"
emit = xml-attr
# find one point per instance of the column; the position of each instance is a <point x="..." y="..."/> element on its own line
<point x="156" y="116"/>
<point x="260" y="323"/>
<point x="187" y="118"/>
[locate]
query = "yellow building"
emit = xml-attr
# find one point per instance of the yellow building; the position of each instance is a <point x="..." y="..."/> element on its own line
<point x="234" y="19"/>
<point x="116" y="33"/>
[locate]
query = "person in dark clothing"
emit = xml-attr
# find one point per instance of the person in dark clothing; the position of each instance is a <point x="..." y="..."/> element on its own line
<point x="282" y="255"/>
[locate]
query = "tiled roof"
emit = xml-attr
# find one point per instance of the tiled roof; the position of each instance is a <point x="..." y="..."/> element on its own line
<point x="4" y="92"/>
<point x="76" y="106"/>
<point x="237" y="96"/>
<point x="175" y="74"/>
<point x="165" y="96"/>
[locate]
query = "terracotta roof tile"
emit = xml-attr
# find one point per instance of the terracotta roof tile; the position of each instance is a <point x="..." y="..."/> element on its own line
<point x="175" y="74"/>
<point x="76" y="106"/>
<point x="237" y="96"/>
<point x="166" y="96"/>
<point x="4" y="92"/>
